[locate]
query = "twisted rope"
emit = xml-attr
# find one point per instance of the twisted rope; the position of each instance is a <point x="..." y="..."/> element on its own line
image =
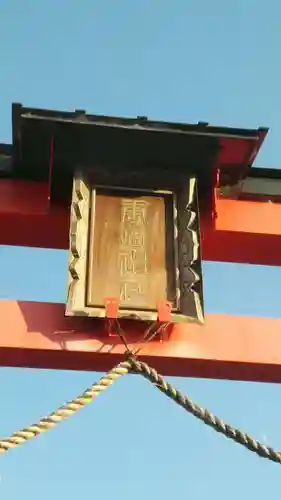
<point x="203" y="414"/>
<point x="65" y="411"/>
<point x="132" y="364"/>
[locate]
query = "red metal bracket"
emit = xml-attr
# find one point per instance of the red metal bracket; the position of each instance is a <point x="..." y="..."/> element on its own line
<point x="164" y="309"/>
<point x="111" y="307"/>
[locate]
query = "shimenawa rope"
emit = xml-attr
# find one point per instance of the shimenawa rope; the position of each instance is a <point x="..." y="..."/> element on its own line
<point x="132" y="364"/>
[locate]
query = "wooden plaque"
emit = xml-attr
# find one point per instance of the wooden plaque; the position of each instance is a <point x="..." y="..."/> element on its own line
<point x="127" y="250"/>
<point x="139" y="246"/>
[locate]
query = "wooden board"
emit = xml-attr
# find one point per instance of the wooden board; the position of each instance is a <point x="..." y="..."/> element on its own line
<point x="127" y="252"/>
<point x="140" y="246"/>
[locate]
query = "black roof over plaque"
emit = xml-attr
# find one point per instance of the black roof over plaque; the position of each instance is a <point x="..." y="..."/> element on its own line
<point x="139" y="143"/>
<point x="113" y="143"/>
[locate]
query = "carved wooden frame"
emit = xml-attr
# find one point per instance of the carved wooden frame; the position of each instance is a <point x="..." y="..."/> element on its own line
<point x="186" y="255"/>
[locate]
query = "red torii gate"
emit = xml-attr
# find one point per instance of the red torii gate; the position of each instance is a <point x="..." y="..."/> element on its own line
<point x="242" y="226"/>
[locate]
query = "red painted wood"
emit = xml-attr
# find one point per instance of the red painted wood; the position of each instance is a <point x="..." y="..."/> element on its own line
<point x="245" y="231"/>
<point x="38" y="335"/>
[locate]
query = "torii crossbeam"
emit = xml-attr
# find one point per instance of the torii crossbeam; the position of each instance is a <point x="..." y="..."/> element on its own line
<point x="240" y="222"/>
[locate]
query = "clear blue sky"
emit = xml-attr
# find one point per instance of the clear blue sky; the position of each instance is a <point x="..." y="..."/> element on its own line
<point x="185" y="60"/>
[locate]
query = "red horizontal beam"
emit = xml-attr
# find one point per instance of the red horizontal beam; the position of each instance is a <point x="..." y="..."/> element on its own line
<point x="38" y="335"/>
<point x="26" y="218"/>
<point x="245" y="231"/>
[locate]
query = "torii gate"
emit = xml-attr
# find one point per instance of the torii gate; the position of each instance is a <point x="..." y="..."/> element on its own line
<point x="240" y="221"/>
<point x="246" y="230"/>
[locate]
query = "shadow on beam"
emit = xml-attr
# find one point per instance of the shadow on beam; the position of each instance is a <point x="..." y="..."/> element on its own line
<point x="38" y="335"/>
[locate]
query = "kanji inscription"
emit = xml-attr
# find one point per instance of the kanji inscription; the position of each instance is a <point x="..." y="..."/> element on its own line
<point x="132" y="252"/>
<point x="127" y="256"/>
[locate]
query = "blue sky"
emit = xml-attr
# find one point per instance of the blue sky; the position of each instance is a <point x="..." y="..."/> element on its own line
<point x="184" y="60"/>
